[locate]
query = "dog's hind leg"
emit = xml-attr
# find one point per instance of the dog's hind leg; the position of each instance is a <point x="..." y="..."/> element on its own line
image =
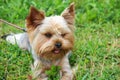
<point x="20" y="39"/>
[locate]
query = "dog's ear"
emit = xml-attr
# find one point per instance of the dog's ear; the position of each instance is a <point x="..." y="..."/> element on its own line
<point x="34" y="18"/>
<point x="69" y="14"/>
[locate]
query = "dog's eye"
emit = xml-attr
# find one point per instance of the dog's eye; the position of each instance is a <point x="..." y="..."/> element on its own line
<point x="48" y="35"/>
<point x="63" y="35"/>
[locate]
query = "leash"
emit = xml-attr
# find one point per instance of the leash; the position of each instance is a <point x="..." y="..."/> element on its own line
<point x="18" y="27"/>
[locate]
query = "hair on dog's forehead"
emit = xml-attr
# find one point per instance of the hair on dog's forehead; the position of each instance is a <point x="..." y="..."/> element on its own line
<point x="54" y="24"/>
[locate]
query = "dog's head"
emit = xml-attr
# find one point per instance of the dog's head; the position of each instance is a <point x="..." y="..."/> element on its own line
<point x="51" y="37"/>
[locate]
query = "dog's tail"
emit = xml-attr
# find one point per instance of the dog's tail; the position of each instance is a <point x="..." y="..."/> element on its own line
<point x="20" y="39"/>
<point x="4" y="36"/>
<point x="11" y="38"/>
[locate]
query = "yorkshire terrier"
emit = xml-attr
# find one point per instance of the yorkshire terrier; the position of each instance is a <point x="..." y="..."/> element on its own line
<point x="50" y="40"/>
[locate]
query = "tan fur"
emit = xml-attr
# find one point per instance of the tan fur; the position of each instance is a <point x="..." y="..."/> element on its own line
<point x="69" y="15"/>
<point x="34" y="18"/>
<point x="61" y="30"/>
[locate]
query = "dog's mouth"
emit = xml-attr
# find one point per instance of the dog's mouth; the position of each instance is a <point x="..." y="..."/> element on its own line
<point x="56" y="51"/>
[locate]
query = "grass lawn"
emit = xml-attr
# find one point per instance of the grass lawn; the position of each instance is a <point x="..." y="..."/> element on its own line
<point x="97" y="46"/>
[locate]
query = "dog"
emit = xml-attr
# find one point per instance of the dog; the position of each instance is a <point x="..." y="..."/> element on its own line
<point x="50" y="40"/>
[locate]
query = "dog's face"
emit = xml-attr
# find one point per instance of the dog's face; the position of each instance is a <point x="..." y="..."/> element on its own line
<point x="51" y="37"/>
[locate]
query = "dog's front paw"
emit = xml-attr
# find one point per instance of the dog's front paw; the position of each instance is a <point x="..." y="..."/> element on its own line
<point x="43" y="79"/>
<point x="66" y="78"/>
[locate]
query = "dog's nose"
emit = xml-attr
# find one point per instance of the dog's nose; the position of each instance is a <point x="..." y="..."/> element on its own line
<point x="58" y="45"/>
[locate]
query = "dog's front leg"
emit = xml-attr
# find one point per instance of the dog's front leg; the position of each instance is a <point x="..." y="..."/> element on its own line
<point x="66" y="70"/>
<point x="39" y="71"/>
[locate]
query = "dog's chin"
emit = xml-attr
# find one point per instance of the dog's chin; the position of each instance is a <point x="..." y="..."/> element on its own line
<point x="54" y="54"/>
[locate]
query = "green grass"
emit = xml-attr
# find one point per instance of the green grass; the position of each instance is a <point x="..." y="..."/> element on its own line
<point x="97" y="45"/>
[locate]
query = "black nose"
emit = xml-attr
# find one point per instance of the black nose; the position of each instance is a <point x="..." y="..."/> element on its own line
<point x="58" y="45"/>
